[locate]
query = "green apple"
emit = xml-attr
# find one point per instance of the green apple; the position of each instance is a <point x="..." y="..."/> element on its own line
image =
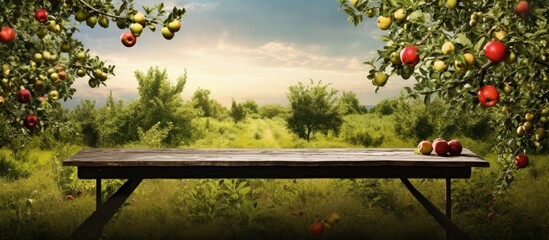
<point x="51" y="25"/>
<point x="459" y="66"/>
<point x="167" y="34"/>
<point x="46" y="56"/>
<point x="174" y="25"/>
<point x="103" y="22"/>
<point x="92" y="83"/>
<point x="384" y="23"/>
<point x="353" y="2"/>
<point x="395" y="58"/>
<point x="520" y="130"/>
<point x="37" y="57"/>
<point x="54" y="77"/>
<point x="91" y="21"/>
<point x="529" y="116"/>
<point x="81" y="72"/>
<point x="2" y="101"/>
<point x="138" y="18"/>
<point x="545" y="111"/>
<point x="53" y="95"/>
<point x="451" y="4"/>
<point x="473" y="22"/>
<point x="448" y="48"/>
<point x="136" y="29"/>
<point x="510" y="58"/>
<point x="528" y="126"/>
<point x="81" y="15"/>
<point x="380" y="79"/>
<point x="440" y="65"/>
<point x="370" y="12"/>
<point x="400" y="14"/>
<point x="42" y="32"/>
<point x="507" y="89"/>
<point x="80" y="55"/>
<point x="121" y="23"/>
<point x="65" y="47"/>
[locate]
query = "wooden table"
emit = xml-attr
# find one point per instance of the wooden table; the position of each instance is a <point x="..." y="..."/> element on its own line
<point x="138" y="164"/>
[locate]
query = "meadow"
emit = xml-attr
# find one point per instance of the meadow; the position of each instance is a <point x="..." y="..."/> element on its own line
<point x="34" y="205"/>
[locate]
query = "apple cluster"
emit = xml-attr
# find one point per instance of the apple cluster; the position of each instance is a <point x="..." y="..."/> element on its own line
<point x="485" y="56"/>
<point x="136" y="28"/>
<point x="318" y="227"/>
<point x="41" y="59"/>
<point x="441" y="147"/>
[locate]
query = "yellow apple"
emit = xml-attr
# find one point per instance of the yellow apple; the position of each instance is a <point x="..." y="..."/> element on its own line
<point x="448" y="48"/>
<point x="451" y="4"/>
<point x="400" y="14"/>
<point x="501" y="34"/>
<point x="469" y="59"/>
<point x="440" y="65"/>
<point x="384" y="23"/>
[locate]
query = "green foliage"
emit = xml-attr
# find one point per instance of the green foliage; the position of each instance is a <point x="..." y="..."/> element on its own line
<point x="522" y="77"/>
<point x="238" y="111"/>
<point x="349" y="104"/>
<point x="159" y="102"/>
<point x="215" y="200"/>
<point x="314" y="109"/>
<point x="207" y="107"/>
<point x="386" y="106"/>
<point x="154" y="137"/>
<point x="272" y="110"/>
<point x="43" y="52"/>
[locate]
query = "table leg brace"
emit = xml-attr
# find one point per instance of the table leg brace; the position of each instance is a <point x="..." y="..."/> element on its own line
<point x="442" y="219"/>
<point x="93" y="226"/>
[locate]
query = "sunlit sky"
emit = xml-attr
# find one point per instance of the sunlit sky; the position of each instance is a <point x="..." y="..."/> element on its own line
<point x="245" y="49"/>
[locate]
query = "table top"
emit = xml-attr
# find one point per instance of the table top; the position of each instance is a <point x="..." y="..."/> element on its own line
<point x="311" y="157"/>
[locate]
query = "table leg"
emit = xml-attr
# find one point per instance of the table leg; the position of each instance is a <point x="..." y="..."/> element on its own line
<point x="93" y="225"/>
<point x="448" y="203"/>
<point x="443" y="220"/>
<point x="98" y="194"/>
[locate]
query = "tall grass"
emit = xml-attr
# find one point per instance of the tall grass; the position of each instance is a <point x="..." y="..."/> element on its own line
<point x="35" y="206"/>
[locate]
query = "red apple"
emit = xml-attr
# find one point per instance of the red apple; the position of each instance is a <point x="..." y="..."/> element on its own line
<point x="30" y="121"/>
<point x="521" y="160"/>
<point x="495" y="51"/>
<point x="7" y="35"/>
<point x="41" y="15"/>
<point x="128" y="39"/>
<point x="521" y="7"/>
<point x="317" y="228"/>
<point x="425" y="147"/>
<point x="409" y="56"/>
<point x="62" y="75"/>
<point x="441" y="147"/>
<point x="488" y="96"/>
<point x="70" y="197"/>
<point x="24" y="96"/>
<point x="454" y="147"/>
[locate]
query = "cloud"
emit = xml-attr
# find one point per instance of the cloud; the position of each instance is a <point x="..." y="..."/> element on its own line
<point x="194" y="6"/>
<point x="280" y="54"/>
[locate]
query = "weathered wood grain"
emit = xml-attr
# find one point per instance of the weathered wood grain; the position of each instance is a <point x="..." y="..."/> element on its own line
<point x="181" y="157"/>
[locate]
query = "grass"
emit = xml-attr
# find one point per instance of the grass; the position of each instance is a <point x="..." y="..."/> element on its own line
<point x="269" y="209"/>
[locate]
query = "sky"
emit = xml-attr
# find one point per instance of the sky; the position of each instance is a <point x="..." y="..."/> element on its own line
<point x="245" y="50"/>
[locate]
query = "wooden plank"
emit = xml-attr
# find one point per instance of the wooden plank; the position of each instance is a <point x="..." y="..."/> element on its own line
<point x="103" y="157"/>
<point x="287" y="172"/>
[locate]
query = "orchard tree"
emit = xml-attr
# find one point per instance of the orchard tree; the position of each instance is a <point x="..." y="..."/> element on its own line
<point x="41" y="58"/>
<point x="477" y="55"/>
<point x="313" y="109"/>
